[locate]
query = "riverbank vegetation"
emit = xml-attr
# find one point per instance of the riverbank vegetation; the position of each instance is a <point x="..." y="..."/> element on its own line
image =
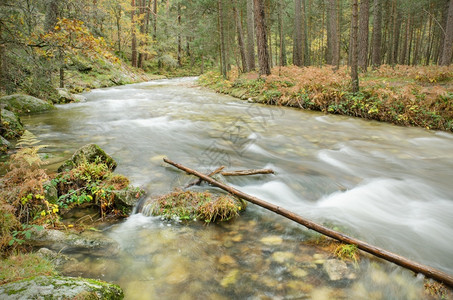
<point x="402" y="95"/>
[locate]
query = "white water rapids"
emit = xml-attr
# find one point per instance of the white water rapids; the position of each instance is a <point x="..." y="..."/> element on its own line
<point x="387" y="185"/>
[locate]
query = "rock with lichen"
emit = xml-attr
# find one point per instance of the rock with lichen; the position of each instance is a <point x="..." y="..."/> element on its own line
<point x="58" y="287"/>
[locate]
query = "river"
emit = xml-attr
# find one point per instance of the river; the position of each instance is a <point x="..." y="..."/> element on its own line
<point x="390" y="186"/>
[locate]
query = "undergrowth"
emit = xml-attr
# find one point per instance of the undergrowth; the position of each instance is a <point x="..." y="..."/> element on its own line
<point x="403" y="95"/>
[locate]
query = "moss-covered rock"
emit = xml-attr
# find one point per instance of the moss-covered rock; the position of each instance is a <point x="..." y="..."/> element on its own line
<point x="189" y="205"/>
<point x="127" y="198"/>
<point x="19" y="103"/>
<point x="12" y="126"/>
<point x="58" y="287"/>
<point x="88" y="154"/>
<point x="64" y="96"/>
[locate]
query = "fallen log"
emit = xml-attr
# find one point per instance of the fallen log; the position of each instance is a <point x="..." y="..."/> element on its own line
<point x="376" y="251"/>
<point x="247" y="172"/>
<point x="199" y="181"/>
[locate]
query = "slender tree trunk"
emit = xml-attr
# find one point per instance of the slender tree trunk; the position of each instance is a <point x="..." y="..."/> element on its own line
<point x="250" y="36"/>
<point x="2" y="65"/>
<point x="141" y="10"/>
<point x="155" y="19"/>
<point x="411" y="38"/>
<point x="134" y="36"/>
<point x="364" y="20"/>
<point x="118" y="28"/>
<point x="307" y="61"/>
<point x="402" y="60"/>
<point x="237" y="18"/>
<point x="377" y="21"/>
<point x="223" y="64"/>
<point x="297" y="46"/>
<point x="179" y="36"/>
<point x="396" y="37"/>
<point x="282" y="35"/>
<point x="354" y="56"/>
<point x="261" y="38"/>
<point x="448" y="43"/>
<point x="334" y="43"/>
<point x="147" y="21"/>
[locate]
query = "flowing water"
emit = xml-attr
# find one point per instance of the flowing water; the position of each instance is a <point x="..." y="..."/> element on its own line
<point x="390" y="186"/>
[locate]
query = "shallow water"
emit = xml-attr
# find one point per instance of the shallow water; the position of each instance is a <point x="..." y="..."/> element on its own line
<point x="390" y="186"/>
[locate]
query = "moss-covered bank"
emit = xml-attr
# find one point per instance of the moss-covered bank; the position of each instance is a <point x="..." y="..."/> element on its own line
<point x="402" y="95"/>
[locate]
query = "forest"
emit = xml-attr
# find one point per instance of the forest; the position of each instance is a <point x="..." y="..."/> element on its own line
<point x="303" y="72"/>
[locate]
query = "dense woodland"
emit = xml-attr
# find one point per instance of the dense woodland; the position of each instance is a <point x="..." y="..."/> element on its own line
<point x="40" y="39"/>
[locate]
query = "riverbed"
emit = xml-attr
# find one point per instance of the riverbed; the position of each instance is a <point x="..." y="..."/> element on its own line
<point x="387" y="185"/>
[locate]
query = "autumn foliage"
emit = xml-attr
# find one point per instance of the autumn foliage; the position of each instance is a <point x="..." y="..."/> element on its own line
<point x="402" y="95"/>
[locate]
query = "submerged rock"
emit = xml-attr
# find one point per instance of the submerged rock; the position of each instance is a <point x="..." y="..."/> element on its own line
<point x="58" y="287"/>
<point x="338" y="270"/>
<point x="88" y="153"/>
<point x="19" y="103"/>
<point x="89" y="240"/>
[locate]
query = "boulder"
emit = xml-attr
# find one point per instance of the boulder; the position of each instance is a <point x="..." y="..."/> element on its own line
<point x="58" y="287"/>
<point x="88" y="153"/>
<point x="127" y="198"/>
<point x="19" y="103"/>
<point x="4" y="144"/>
<point x="12" y="125"/>
<point x="64" y="96"/>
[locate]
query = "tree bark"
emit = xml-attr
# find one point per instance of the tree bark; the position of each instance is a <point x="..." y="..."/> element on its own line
<point x="402" y="60"/>
<point x="307" y="60"/>
<point x="261" y="38"/>
<point x="377" y="34"/>
<point x="223" y="65"/>
<point x="237" y="18"/>
<point x="134" y="37"/>
<point x="364" y="24"/>
<point x="154" y="20"/>
<point x="247" y="172"/>
<point x="297" y="46"/>
<point x="141" y="10"/>
<point x="354" y="55"/>
<point x="448" y="43"/>
<point x="250" y="36"/>
<point x="396" y="37"/>
<point x="379" y="252"/>
<point x="333" y="40"/>
<point x="179" y="35"/>
<point x="282" y="60"/>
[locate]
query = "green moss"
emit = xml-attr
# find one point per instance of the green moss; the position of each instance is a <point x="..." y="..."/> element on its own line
<point x="21" y="266"/>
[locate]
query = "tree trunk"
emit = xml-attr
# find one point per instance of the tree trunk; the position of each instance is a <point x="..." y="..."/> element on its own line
<point x="52" y="14"/>
<point x="261" y="38"/>
<point x="281" y="34"/>
<point x="396" y="37"/>
<point x="223" y="65"/>
<point x="403" y="55"/>
<point x="141" y="10"/>
<point x="250" y="36"/>
<point x="2" y="65"/>
<point x="377" y="22"/>
<point x="134" y="37"/>
<point x="237" y="18"/>
<point x="354" y="52"/>
<point x="297" y="46"/>
<point x="333" y="40"/>
<point x="154" y="20"/>
<point x="448" y="43"/>
<point x="307" y="60"/>
<point x="179" y="36"/>
<point x="384" y="254"/>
